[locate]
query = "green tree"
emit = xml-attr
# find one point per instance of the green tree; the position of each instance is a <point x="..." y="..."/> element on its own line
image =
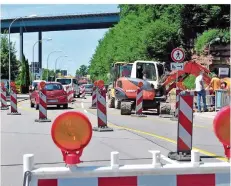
<point x="24" y="75"/>
<point x="83" y="70"/>
<point x="15" y="65"/>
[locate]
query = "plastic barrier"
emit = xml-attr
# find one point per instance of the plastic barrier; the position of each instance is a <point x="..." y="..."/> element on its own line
<point x="70" y="93"/>
<point x="185" y="127"/>
<point x="42" y="104"/>
<point x="139" y="101"/>
<point x="13" y="102"/>
<point x="94" y="99"/>
<point x="176" y="174"/>
<point x="83" y="93"/>
<point x="222" y="99"/>
<point x="72" y="132"/>
<point x="4" y="105"/>
<point x="101" y="111"/>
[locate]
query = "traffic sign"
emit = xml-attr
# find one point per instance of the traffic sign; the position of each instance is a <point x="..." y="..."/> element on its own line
<point x="177" y="55"/>
<point x="177" y="66"/>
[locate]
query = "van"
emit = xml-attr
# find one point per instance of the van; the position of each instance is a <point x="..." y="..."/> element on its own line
<point x="70" y="82"/>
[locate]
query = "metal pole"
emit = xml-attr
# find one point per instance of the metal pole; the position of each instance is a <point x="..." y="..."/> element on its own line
<point x="48" y="60"/>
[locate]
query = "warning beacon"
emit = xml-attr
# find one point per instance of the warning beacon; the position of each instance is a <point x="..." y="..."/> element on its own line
<point x="221" y="125"/>
<point x="71" y="132"/>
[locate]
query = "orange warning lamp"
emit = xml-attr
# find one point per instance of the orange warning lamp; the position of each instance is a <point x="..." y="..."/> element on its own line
<point x="140" y="84"/>
<point x="95" y="83"/>
<point x="221" y="125"/>
<point x="100" y="83"/>
<point x="42" y="84"/>
<point x="71" y="132"/>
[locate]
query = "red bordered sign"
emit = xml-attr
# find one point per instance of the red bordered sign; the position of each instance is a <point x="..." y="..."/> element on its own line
<point x="177" y="55"/>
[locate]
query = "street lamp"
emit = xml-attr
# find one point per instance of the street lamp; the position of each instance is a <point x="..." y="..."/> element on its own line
<point x="48" y="60"/>
<point x="211" y="42"/>
<point x="32" y="66"/>
<point x="57" y="61"/>
<point x="30" y="16"/>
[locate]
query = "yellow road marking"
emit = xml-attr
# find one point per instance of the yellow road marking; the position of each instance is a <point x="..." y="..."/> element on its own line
<point x="168" y="140"/>
<point x="156" y="136"/>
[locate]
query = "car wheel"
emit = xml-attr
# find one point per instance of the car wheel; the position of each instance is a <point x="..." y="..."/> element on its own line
<point x="65" y="106"/>
<point x="78" y="96"/>
<point x="31" y="104"/>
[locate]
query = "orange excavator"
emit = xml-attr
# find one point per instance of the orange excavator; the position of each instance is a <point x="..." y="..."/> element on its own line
<point x="190" y="68"/>
<point x="156" y="85"/>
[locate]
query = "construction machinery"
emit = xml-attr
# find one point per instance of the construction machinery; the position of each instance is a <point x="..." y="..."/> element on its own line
<point x="125" y="87"/>
<point x="157" y="83"/>
<point x="119" y="69"/>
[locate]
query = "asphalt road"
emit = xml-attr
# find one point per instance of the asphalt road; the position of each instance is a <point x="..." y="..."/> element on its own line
<point x="132" y="137"/>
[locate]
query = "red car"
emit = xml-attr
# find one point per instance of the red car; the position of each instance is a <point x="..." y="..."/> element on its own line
<point x="56" y="95"/>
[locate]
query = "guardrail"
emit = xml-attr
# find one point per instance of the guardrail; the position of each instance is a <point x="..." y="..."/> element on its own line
<point x="222" y="99"/>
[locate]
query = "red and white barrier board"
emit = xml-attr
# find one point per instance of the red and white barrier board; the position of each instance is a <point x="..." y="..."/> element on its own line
<point x="3" y="98"/>
<point x="70" y="93"/>
<point x="13" y="103"/>
<point x="139" y="103"/>
<point x="175" y="174"/>
<point x="83" y="91"/>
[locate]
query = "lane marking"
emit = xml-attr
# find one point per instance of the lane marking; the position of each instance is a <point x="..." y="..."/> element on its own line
<point x="157" y="136"/>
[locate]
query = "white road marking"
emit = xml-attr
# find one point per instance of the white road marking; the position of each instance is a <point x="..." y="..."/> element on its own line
<point x="85" y="111"/>
<point x="82" y="105"/>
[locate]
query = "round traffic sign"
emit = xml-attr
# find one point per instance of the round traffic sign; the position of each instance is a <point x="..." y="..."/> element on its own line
<point x="221" y="125"/>
<point x="71" y="131"/>
<point x="177" y="55"/>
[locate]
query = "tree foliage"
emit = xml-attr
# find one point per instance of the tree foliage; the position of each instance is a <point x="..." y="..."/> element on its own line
<point x="209" y="36"/>
<point x="82" y="71"/>
<point x="150" y="32"/>
<point x="5" y="59"/>
<point x="24" y="75"/>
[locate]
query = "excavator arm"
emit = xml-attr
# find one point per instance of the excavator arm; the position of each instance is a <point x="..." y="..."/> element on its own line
<point x="190" y="67"/>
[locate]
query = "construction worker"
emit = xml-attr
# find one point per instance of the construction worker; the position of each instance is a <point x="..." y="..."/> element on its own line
<point x="215" y="84"/>
<point x="200" y="89"/>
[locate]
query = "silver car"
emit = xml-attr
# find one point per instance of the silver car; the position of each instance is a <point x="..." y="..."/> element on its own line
<point x="88" y="88"/>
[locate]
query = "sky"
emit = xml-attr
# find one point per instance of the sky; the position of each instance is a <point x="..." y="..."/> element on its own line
<point x="78" y="45"/>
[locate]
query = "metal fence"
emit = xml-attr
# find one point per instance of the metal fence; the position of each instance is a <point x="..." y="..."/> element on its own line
<point x="222" y="99"/>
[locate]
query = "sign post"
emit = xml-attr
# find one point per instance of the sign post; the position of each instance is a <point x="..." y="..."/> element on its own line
<point x="177" y="56"/>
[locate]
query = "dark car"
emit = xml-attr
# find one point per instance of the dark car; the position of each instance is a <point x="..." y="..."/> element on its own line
<point x="88" y="88"/>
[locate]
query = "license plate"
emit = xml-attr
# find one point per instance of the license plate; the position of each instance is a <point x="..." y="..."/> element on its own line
<point x="52" y="101"/>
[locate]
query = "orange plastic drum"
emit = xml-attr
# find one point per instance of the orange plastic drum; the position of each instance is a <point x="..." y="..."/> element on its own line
<point x="71" y="131"/>
<point x="221" y="125"/>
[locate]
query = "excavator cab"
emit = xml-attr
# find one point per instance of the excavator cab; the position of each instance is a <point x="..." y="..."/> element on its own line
<point x="118" y="69"/>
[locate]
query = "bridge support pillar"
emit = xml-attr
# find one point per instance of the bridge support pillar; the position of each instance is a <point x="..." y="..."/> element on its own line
<point x="40" y="49"/>
<point x="21" y="44"/>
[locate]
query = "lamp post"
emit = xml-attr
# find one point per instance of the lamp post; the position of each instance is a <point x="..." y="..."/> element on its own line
<point x="32" y="66"/>
<point x="57" y="61"/>
<point x="48" y="60"/>
<point x="9" y="45"/>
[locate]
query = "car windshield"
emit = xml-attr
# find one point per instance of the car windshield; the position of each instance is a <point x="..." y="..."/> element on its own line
<point x="53" y="86"/>
<point x="64" y="81"/>
<point x="125" y="70"/>
<point x="147" y="69"/>
<point x="88" y="86"/>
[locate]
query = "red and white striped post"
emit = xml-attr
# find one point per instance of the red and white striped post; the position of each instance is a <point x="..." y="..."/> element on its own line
<point x="3" y="98"/>
<point x="13" y="102"/>
<point x="185" y="127"/>
<point x="94" y="99"/>
<point x="139" y="102"/>
<point x="70" y="93"/>
<point x="101" y="110"/>
<point x="42" y="105"/>
<point x="83" y="93"/>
